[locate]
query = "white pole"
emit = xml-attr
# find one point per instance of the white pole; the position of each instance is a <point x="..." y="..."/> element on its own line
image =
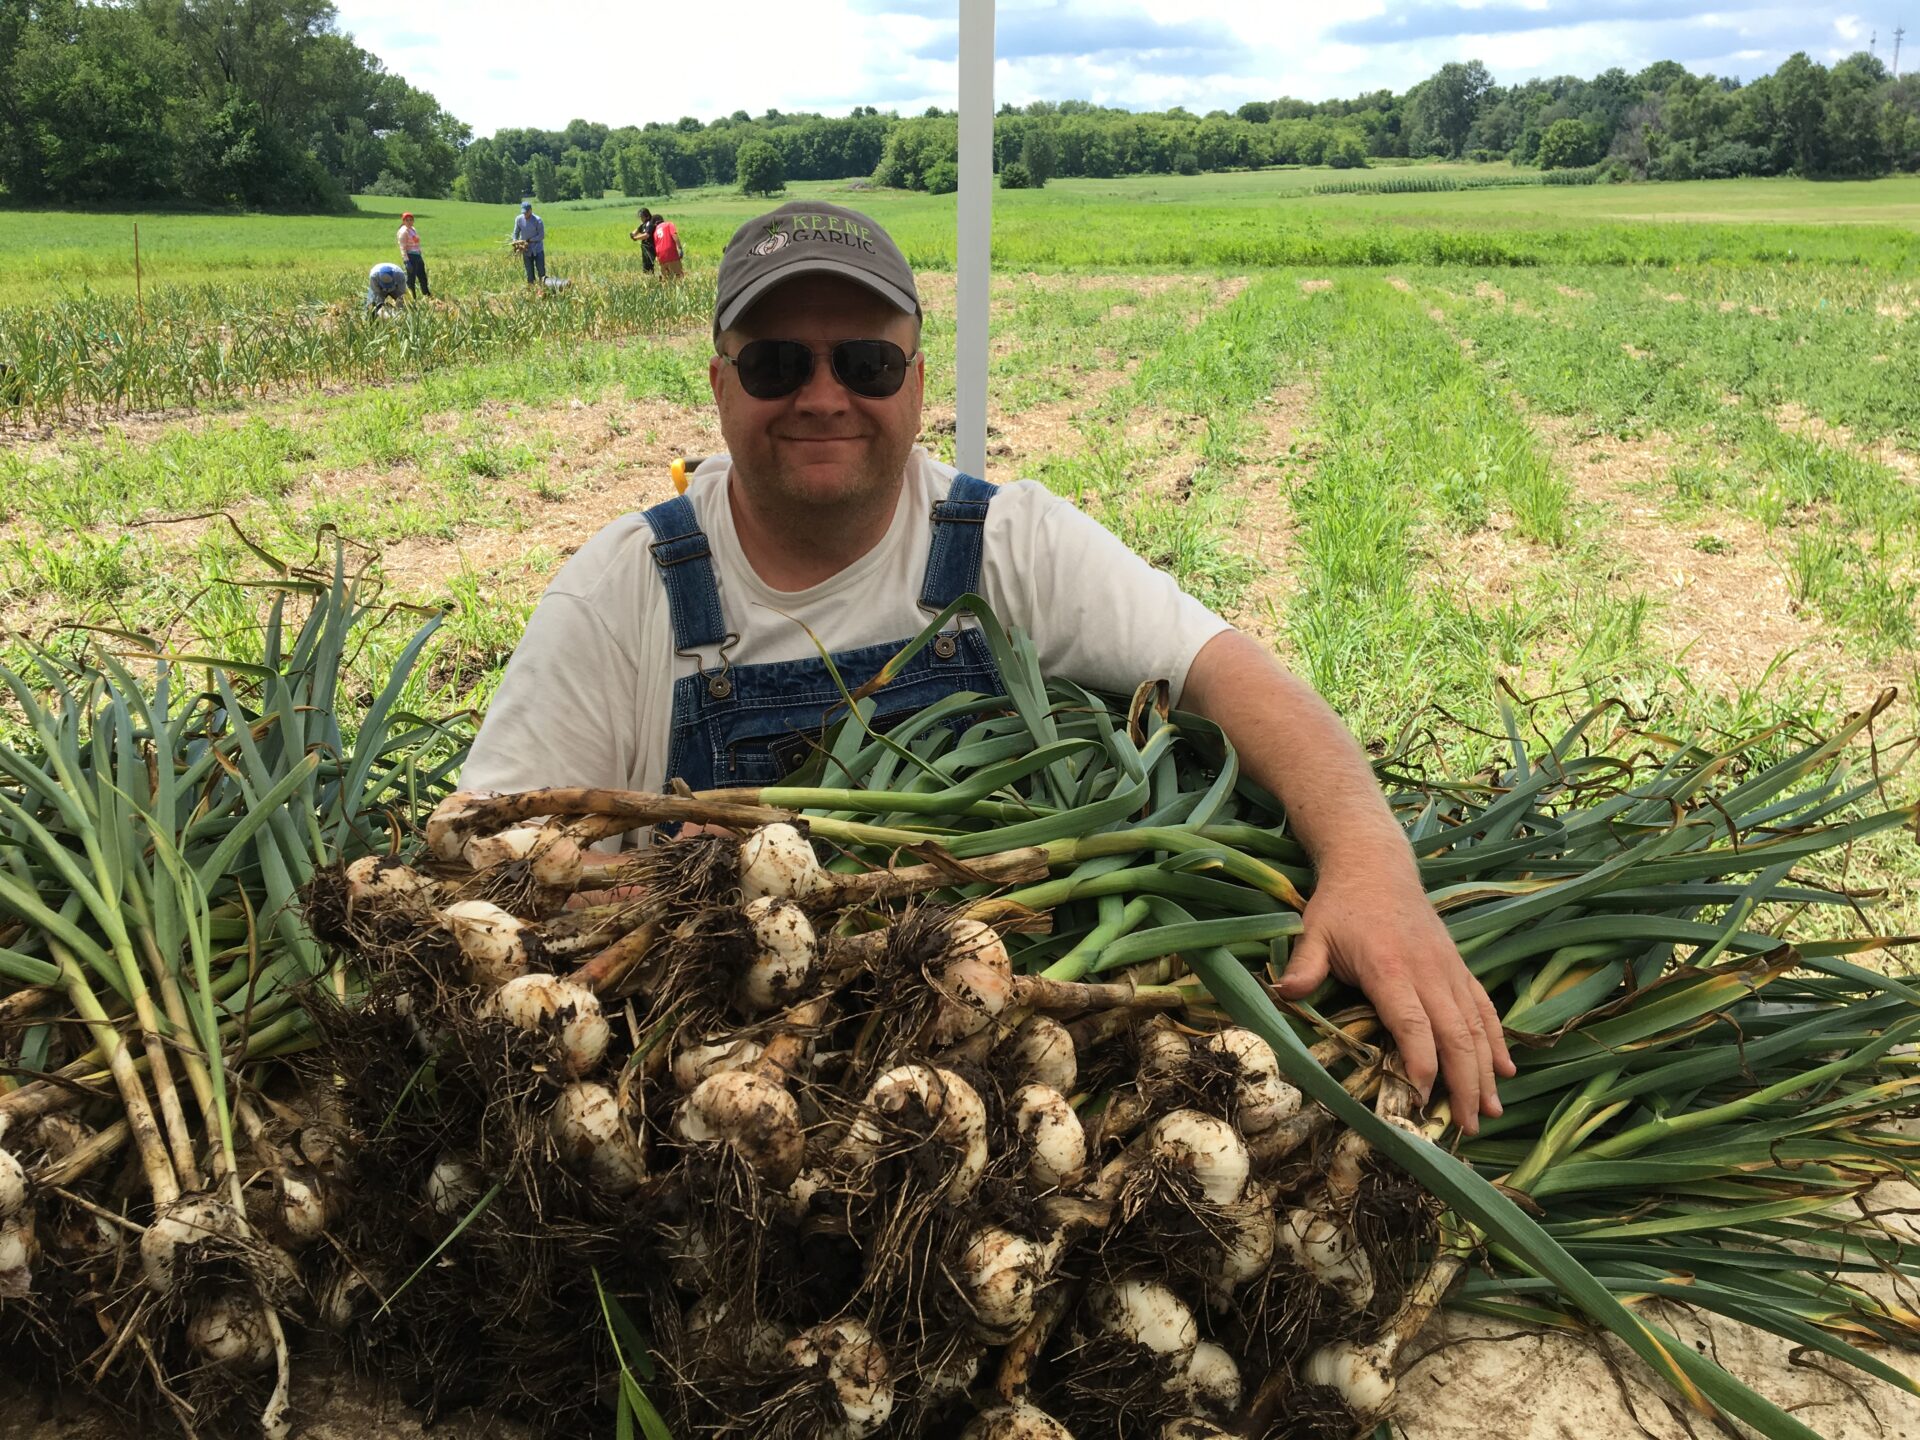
<point x="975" y="234"/>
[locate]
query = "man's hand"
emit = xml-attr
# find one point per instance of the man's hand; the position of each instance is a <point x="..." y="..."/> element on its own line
<point x="1368" y="921"/>
<point x="1374" y="929"/>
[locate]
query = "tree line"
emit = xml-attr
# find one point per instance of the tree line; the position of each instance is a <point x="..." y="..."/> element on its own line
<point x="266" y="104"/>
<point x="1664" y="123"/>
<point x="256" y="104"/>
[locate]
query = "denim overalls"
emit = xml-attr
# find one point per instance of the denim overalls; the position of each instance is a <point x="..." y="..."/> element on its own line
<point x="752" y="724"/>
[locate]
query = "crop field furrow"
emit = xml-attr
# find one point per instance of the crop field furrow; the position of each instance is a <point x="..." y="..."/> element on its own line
<point x="1735" y="397"/>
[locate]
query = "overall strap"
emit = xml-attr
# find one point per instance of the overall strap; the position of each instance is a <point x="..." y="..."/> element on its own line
<point x="959" y="534"/>
<point x="679" y="548"/>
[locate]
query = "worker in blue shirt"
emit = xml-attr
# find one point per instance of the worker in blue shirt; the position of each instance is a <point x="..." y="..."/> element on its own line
<point x="386" y="281"/>
<point x="530" y="239"/>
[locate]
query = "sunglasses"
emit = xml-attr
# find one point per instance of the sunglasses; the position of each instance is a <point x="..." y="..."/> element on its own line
<point x="769" y="369"/>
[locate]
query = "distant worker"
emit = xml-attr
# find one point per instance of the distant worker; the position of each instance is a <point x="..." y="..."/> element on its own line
<point x="643" y="232"/>
<point x="410" y="255"/>
<point x="530" y="239"/>
<point x="666" y="247"/>
<point x="385" y="282"/>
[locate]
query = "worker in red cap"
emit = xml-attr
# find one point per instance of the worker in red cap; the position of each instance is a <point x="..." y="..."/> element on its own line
<point x="410" y="252"/>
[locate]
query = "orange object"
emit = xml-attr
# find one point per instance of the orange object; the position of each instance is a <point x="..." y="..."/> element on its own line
<point x="679" y="472"/>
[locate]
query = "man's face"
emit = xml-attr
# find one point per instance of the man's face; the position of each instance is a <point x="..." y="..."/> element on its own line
<point x="822" y="447"/>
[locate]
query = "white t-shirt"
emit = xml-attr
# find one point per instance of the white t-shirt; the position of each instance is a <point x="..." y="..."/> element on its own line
<point x="588" y="696"/>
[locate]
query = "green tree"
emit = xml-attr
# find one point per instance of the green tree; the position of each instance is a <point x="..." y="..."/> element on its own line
<point x="1569" y="144"/>
<point x="1444" y="107"/>
<point x="545" y="177"/>
<point x="485" y="175"/>
<point x="1039" y="154"/>
<point x="1347" y="151"/>
<point x="759" y="168"/>
<point x="593" y="180"/>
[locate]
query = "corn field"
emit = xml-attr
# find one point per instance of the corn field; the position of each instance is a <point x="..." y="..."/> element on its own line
<point x="1431" y="184"/>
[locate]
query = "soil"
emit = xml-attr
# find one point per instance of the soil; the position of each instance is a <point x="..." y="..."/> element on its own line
<point x="1264" y="529"/>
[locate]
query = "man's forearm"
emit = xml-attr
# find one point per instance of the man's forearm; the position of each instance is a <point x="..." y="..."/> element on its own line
<point x="1290" y="741"/>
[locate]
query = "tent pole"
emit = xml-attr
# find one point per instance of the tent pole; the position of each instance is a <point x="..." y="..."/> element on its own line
<point x="975" y="234"/>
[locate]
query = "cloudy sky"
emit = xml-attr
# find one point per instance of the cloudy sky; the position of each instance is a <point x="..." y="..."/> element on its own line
<point x="544" y="62"/>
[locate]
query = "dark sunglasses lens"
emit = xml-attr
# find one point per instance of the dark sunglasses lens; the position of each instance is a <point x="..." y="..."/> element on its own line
<point x="874" y="368"/>
<point x="772" y="368"/>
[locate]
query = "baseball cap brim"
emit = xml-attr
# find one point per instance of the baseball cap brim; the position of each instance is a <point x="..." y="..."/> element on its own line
<point x="825" y="265"/>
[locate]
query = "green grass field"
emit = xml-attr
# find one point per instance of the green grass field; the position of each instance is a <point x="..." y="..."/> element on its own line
<point x="1202" y="219"/>
<point x="1658" y="444"/>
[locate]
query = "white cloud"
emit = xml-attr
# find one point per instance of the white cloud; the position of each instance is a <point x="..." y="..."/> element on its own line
<point x="494" y="63"/>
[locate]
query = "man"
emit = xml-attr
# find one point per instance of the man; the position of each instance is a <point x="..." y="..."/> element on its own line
<point x="385" y="282"/>
<point x="409" y="239"/>
<point x="678" y="643"/>
<point x="643" y="232"/>
<point x="530" y="239"/>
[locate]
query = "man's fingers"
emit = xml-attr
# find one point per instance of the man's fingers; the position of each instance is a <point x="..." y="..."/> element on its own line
<point x="1496" y="1034"/>
<point x="1468" y="1000"/>
<point x="1460" y="1063"/>
<point x="1404" y="1014"/>
<point x="1306" y="967"/>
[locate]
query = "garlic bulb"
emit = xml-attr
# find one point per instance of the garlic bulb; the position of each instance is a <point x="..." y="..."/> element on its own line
<point x="548" y="1004"/>
<point x="857" y="1367"/>
<point x="1246" y="1236"/>
<point x="697" y="1062"/>
<point x="959" y="1121"/>
<point x="973" y="993"/>
<point x="1263" y="1098"/>
<point x="303" y="1209"/>
<point x="1001" y="1275"/>
<point x="1041" y="1052"/>
<point x="373" y="879"/>
<point x="1018" y="1421"/>
<point x="1361" y="1375"/>
<point x="752" y="1114"/>
<point x="19" y="1248"/>
<point x="13" y="1186"/>
<point x="778" y="860"/>
<point x="191" y="1220"/>
<point x="1146" y="1313"/>
<point x="1056" y="1141"/>
<point x="1330" y="1252"/>
<point x="230" y="1329"/>
<point x="491" y="941"/>
<point x="587" y="1131"/>
<point x="1205" y="1147"/>
<point x="785" y="950"/>
<point x="454" y="1187"/>
<point x="1212" y="1379"/>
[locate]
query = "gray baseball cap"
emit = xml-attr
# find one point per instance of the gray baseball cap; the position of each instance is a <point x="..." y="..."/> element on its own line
<point x="807" y="238"/>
